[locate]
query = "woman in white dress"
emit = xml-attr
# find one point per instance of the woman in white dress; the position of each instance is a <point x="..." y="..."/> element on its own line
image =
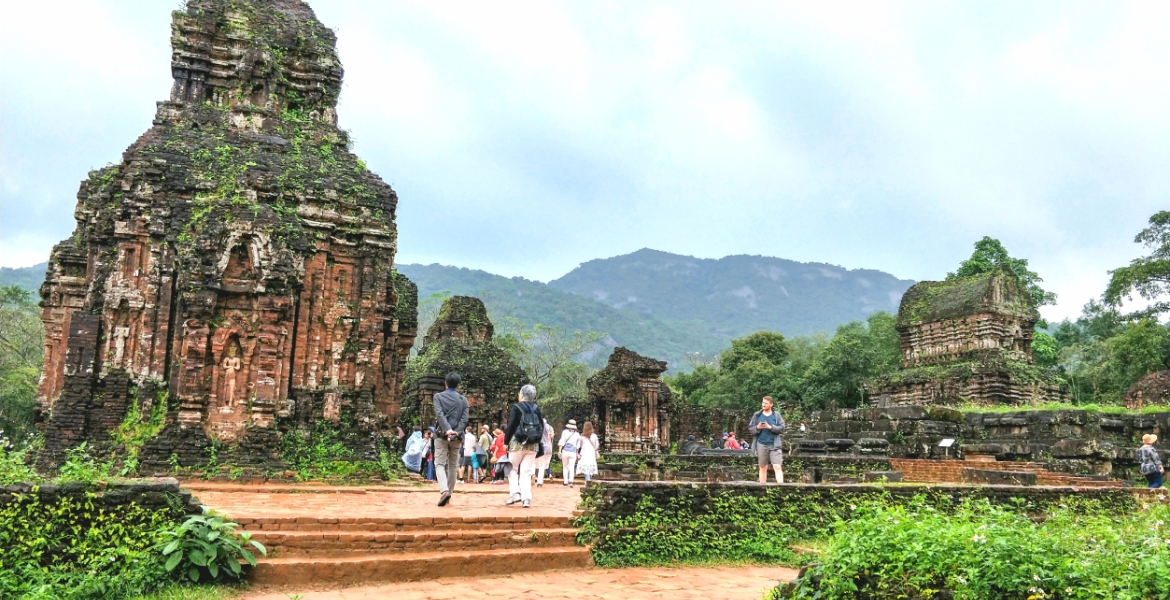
<point x="588" y="452"/>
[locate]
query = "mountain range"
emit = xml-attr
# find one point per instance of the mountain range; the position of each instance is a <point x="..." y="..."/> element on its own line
<point x="656" y="303"/>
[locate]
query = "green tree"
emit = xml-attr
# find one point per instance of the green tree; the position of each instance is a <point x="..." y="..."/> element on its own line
<point x="856" y="354"/>
<point x="1045" y="349"/>
<point x="1138" y="350"/>
<point x="22" y="343"/>
<point x="1148" y="276"/>
<point x="989" y="254"/>
<point x="762" y="345"/>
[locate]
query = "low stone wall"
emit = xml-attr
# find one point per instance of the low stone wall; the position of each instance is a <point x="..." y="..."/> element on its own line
<point x="1067" y="441"/>
<point x="647" y="522"/>
<point x="162" y="494"/>
<point x="733" y="467"/>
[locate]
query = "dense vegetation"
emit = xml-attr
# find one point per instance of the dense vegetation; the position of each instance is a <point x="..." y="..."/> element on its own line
<point x="990" y="552"/>
<point x="21" y="348"/>
<point x="72" y="546"/>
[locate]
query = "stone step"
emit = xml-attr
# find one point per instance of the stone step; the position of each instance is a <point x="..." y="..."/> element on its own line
<point x="342" y="571"/>
<point x="396" y="524"/>
<point x="289" y="544"/>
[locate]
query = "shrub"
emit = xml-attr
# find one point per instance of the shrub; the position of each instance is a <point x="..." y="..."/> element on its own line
<point x="210" y="543"/>
<point x="988" y="552"/>
<point x="80" y="467"/>
<point x="14" y="464"/>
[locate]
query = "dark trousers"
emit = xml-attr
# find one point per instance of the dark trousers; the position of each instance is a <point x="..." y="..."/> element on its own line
<point x="1155" y="479"/>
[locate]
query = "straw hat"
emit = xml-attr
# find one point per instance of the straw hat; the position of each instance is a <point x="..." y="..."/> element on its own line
<point x="1149" y="438"/>
<point x="572" y="424"/>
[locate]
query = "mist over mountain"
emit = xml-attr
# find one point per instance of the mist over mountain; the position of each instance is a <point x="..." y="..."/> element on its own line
<point x="736" y="295"/>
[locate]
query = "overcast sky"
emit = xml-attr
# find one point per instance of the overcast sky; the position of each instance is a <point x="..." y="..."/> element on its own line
<point x="526" y="138"/>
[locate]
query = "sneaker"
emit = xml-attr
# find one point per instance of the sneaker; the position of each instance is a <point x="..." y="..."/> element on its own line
<point x="444" y="498"/>
<point x="527" y="504"/>
<point x="514" y="498"/>
<point x="540" y="485"/>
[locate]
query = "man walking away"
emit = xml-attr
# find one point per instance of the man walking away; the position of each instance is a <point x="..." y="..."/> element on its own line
<point x="481" y="453"/>
<point x="768" y="425"/>
<point x="450" y="419"/>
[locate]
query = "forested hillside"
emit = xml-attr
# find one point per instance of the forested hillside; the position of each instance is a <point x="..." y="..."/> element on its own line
<point x="736" y="295"/>
<point x="532" y="302"/>
<point x="29" y="278"/>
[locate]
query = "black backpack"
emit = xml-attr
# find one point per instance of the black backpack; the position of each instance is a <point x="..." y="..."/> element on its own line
<point x="531" y="429"/>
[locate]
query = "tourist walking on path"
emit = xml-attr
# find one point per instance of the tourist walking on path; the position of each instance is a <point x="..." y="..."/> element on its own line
<point x="569" y="443"/>
<point x="428" y="469"/>
<point x="1151" y="461"/>
<point x="450" y="420"/>
<point x="768" y="425"/>
<point x="588" y="452"/>
<point x="467" y="465"/>
<point x="499" y="452"/>
<point x="481" y="453"/>
<point x="525" y="428"/>
<point x="546" y="446"/>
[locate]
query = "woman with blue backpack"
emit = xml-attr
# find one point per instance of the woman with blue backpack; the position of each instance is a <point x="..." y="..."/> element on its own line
<point x="523" y="435"/>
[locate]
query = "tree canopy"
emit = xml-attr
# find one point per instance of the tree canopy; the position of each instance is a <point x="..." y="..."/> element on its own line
<point x="1148" y="276"/>
<point x="989" y="254"/>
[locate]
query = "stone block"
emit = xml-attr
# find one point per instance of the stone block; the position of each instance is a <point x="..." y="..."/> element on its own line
<point x="1074" y="448"/>
<point x="997" y="477"/>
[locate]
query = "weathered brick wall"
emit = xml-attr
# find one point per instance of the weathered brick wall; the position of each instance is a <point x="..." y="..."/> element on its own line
<point x="674" y="467"/>
<point x="1067" y="441"/>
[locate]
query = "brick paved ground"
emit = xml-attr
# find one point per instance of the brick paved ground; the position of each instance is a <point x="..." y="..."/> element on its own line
<point x="473" y="500"/>
<point x="714" y="583"/>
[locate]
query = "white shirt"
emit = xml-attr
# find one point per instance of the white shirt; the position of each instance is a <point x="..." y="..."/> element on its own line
<point x="469" y="444"/>
<point x="568" y="436"/>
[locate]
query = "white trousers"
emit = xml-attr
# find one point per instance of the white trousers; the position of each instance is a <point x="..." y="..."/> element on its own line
<point x="570" y="466"/>
<point x="542" y="466"/>
<point x="523" y="466"/>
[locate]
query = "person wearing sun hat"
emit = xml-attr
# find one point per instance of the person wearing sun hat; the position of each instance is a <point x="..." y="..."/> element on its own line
<point x="1151" y="461"/>
<point x="569" y="444"/>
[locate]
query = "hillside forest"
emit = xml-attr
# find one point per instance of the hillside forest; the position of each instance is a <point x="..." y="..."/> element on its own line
<point x="1099" y="355"/>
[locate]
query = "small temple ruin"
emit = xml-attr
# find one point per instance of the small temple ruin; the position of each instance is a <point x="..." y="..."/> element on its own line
<point x="967" y="340"/>
<point x="632" y="404"/>
<point x="460" y="341"/>
<point x="237" y="266"/>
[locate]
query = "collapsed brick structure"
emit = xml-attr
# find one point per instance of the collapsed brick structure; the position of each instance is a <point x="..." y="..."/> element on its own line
<point x="1151" y="390"/>
<point x="460" y="341"/>
<point x="237" y="265"/>
<point x="632" y="404"/>
<point x="967" y="340"/>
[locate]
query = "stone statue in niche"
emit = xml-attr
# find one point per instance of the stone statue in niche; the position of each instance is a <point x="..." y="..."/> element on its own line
<point x="230" y="367"/>
<point x="121" y="332"/>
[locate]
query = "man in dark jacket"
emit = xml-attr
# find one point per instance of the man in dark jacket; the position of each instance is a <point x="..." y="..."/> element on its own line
<point x="450" y="420"/>
<point x="768" y="425"/>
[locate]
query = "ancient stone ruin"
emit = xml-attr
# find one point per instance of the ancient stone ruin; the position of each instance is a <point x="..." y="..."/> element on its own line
<point x="632" y="404"/>
<point x="967" y="340"/>
<point x="460" y="341"/>
<point x="1151" y="390"/>
<point x="236" y="268"/>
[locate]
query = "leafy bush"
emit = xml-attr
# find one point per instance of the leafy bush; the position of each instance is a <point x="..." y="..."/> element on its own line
<point x="77" y="547"/>
<point x="988" y="552"/>
<point x="210" y="543"/>
<point x="14" y="464"/>
<point x="81" y="467"/>
<point x="324" y="455"/>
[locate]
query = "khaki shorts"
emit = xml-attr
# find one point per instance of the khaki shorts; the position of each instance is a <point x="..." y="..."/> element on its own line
<point x="769" y="455"/>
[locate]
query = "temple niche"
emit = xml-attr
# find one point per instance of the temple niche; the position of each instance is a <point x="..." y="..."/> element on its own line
<point x="967" y="340"/>
<point x="632" y="403"/>
<point x="460" y="341"/>
<point x="237" y="266"/>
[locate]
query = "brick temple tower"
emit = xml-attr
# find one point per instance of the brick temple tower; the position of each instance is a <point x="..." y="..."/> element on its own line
<point x="237" y="265"/>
